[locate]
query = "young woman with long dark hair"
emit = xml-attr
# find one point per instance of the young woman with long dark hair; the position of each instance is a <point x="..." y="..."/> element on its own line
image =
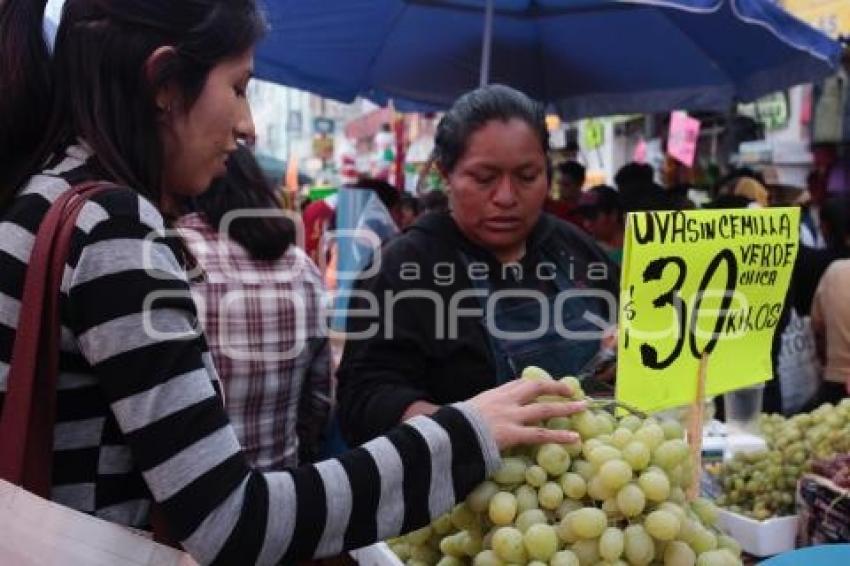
<point x="150" y="95"/>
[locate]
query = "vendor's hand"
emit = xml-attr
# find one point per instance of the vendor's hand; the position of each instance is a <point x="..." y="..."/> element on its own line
<point x="510" y="410"/>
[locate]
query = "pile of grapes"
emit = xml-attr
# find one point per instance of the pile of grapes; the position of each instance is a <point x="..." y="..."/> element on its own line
<point x="762" y="484"/>
<point x="615" y="498"/>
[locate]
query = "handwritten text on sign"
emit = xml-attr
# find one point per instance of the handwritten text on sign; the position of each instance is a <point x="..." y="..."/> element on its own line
<point x="701" y="281"/>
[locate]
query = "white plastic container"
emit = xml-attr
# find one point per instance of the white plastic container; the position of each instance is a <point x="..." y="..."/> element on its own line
<point x="760" y="538"/>
<point x="376" y="555"/>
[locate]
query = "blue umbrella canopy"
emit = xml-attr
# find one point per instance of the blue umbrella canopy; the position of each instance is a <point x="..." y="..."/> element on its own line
<point x="583" y="57"/>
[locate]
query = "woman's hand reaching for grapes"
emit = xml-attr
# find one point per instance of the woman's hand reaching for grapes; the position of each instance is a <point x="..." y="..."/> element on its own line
<point x="513" y="416"/>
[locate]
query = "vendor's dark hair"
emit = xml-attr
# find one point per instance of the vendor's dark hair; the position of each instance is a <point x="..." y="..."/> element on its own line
<point x="245" y="187"/>
<point x="474" y="109"/>
<point x="96" y="86"/>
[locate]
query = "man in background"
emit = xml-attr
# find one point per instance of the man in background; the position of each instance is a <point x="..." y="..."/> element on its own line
<point x="571" y="176"/>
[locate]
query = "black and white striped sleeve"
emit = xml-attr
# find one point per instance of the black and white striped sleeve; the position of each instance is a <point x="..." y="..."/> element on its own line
<point x="135" y="323"/>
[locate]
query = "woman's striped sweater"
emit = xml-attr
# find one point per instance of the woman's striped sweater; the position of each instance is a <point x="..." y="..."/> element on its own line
<point x="139" y="416"/>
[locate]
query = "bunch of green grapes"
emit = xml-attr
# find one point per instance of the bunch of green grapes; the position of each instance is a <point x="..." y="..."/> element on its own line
<point x="762" y="484"/>
<point x="615" y="498"/>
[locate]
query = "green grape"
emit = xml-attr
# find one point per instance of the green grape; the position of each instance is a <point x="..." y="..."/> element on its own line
<point x="537" y="563"/>
<point x="450" y="561"/>
<point x="662" y="525"/>
<point x="611" y="544"/>
<point x="401" y="549"/>
<point x="479" y="498"/>
<point x="611" y="509"/>
<point x="541" y="541"/>
<point x="717" y="558"/>
<point x="424" y="553"/>
<point x="678" y="553"/>
<point x="508" y="545"/>
<point x="565" y="531"/>
<point x="703" y="541"/>
<point x="671" y="507"/>
<point x="550" y="495"/>
<point x="637" y="455"/>
<point x="574" y="448"/>
<point x="528" y="518"/>
<point x="526" y="498"/>
<point x="672" y="429"/>
<point x="689" y="530"/>
<point x="503" y="508"/>
<point x="670" y="454"/>
<point x="602" y="454"/>
<point x="730" y="544"/>
<point x="639" y="548"/>
<point x="655" y="485"/>
<point x="559" y="423"/>
<point x="553" y="458"/>
<point x="615" y="474"/>
<point x="584" y="469"/>
<point x="453" y="545"/>
<point x="414" y="562"/>
<point x="442" y="525"/>
<point x="463" y="517"/>
<point x="677" y="495"/>
<point x="586" y="425"/>
<point x="588" y="523"/>
<point x="575" y="385"/>
<point x="587" y="551"/>
<point x="563" y="558"/>
<point x="631" y="500"/>
<point x="511" y="472"/>
<point x="706" y="510"/>
<point x="621" y="437"/>
<point x="567" y="506"/>
<point x="536" y="373"/>
<point x="650" y="434"/>
<point x="598" y="491"/>
<point x="419" y="536"/>
<point x="607" y="422"/>
<point x="631" y="422"/>
<point x="589" y="446"/>
<point x="573" y="485"/>
<point x="487" y="558"/>
<point x="535" y="476"/>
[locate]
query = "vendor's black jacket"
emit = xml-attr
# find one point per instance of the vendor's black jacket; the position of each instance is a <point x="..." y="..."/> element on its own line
<point x="380" y="377"/>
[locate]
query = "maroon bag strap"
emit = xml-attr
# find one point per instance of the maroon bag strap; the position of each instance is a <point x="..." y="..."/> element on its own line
<point x="29" y="408"/>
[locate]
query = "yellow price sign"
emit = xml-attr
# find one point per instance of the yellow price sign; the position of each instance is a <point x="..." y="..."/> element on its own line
<point x="712" y="281"/>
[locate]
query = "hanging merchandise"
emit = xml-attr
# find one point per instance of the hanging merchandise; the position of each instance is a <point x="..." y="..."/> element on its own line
<point x="832" y="107"/>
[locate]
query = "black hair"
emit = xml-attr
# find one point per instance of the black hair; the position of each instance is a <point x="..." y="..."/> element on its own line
<point x="96" y="87"/>
<point x="605" y="199"/>
<point x="474" y="110"/>
<point x="729" y="201"/>
<point x="634" y="175"/>
<point x="388" y="194"/>
<point x="411" y="202"/>
<point x="835" y="217"/>
<point x="435" y="200"/>
<point x="574" y="170"/>
<point x="245" y="187"/>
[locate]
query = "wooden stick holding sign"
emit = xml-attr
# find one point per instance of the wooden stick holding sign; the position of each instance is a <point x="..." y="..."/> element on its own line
<point x="695" y="429"/>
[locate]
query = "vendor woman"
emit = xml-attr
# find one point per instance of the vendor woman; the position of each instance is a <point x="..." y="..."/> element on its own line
<point x="464" y="300"/>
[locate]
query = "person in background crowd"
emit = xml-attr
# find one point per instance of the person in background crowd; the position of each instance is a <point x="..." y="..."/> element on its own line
<point x="753" y="190"/>
<point x="604" y="218"/>
<point x="811" y="232"/>
<point x="571" y="180"/>
<point x="150" y="96"/>
<point x="435" y="201"/>
<point x="831" y="322"/>
<point x="408" y="211"/>
<point x="318" y="218"/>
<point x="834" y="223"/>
<point x="278" y="405"/>
<point x="422" y="352"/>
<point x="638" y="190"/>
